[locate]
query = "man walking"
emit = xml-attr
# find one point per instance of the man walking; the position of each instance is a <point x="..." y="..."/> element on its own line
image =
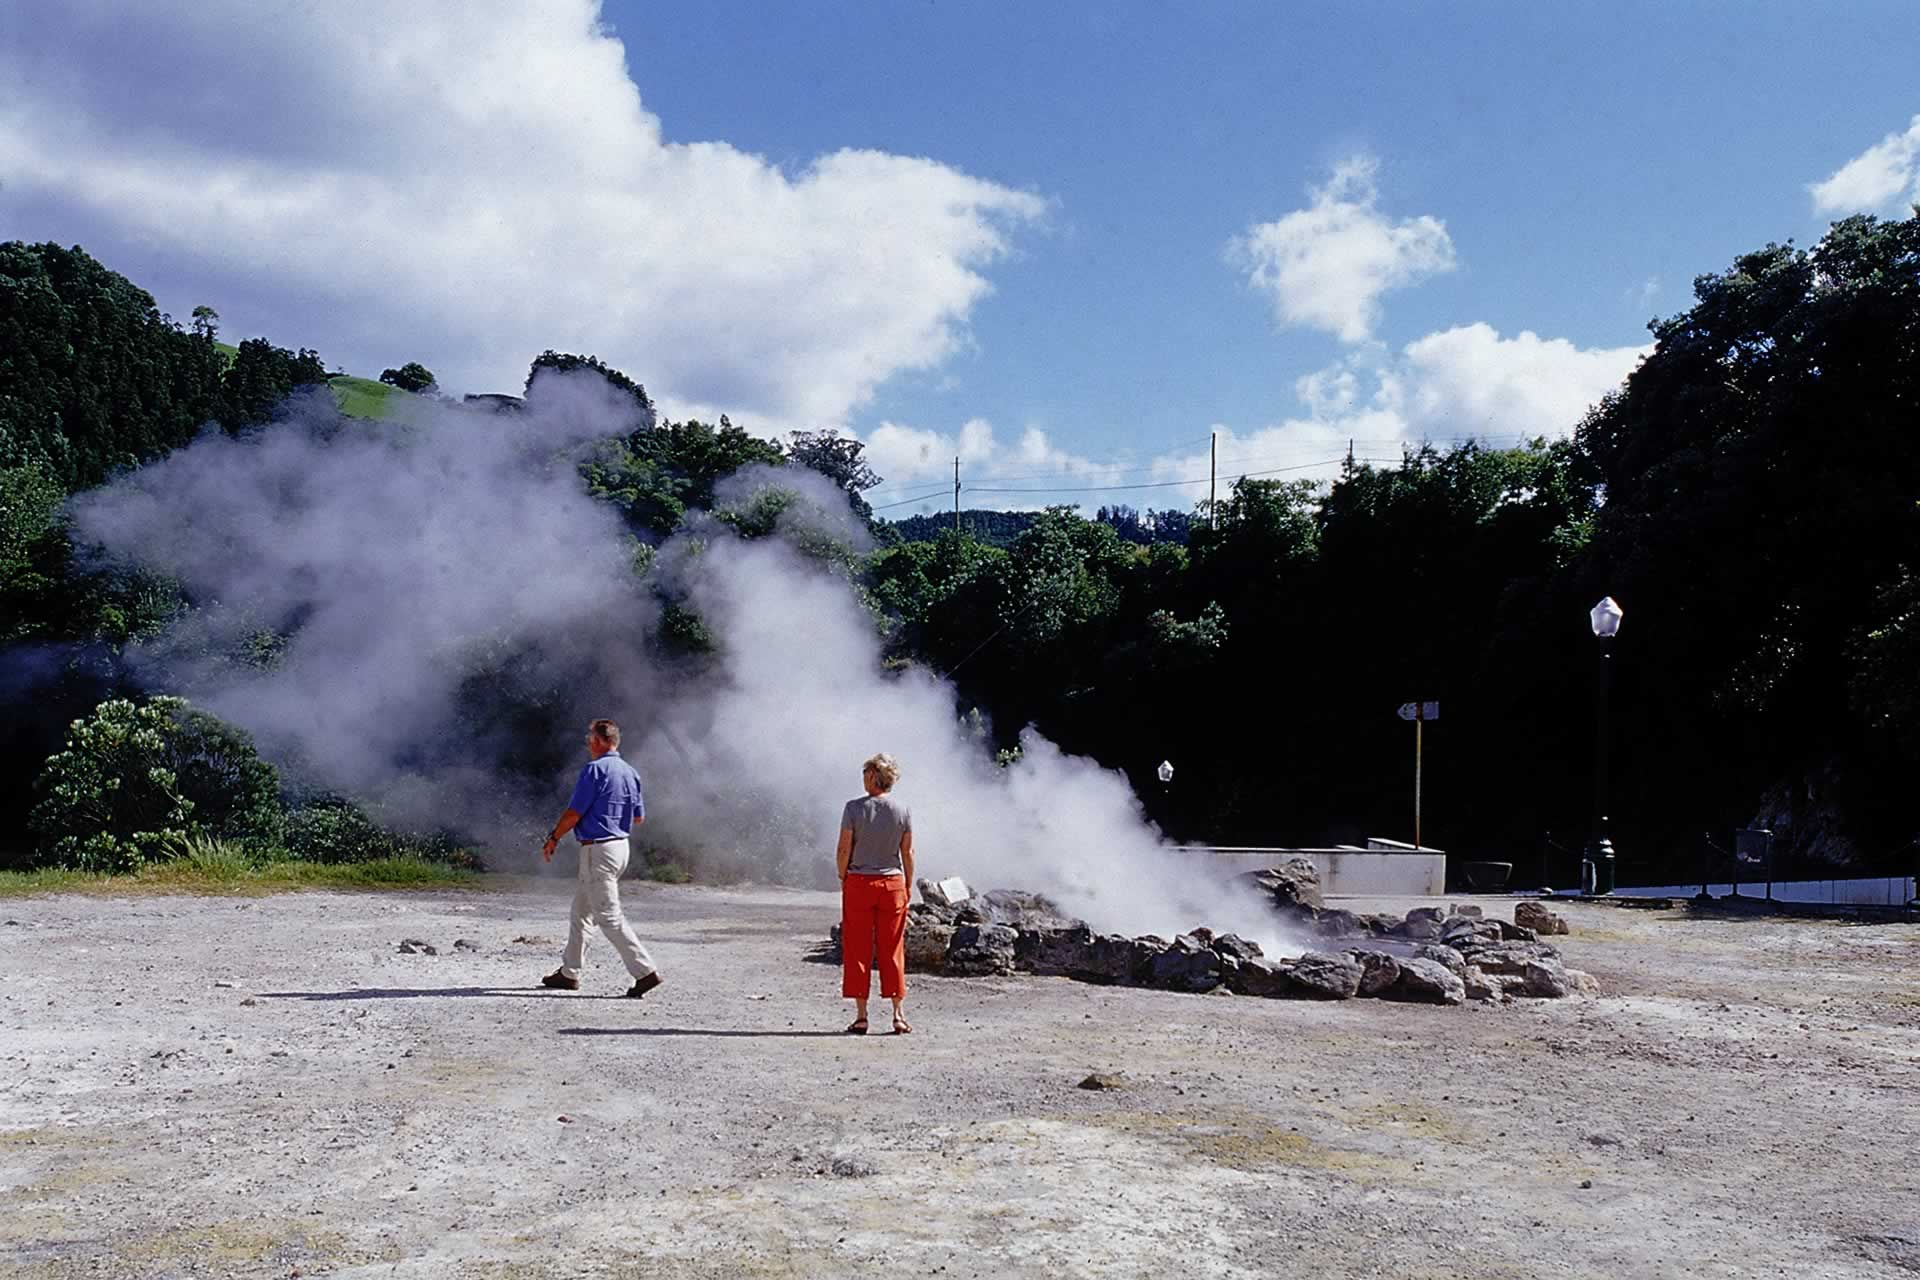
<point x="606" y="805"/>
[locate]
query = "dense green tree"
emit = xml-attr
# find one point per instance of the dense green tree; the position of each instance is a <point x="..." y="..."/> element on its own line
<point x="135" y="778"/>
<point x="92" y="377"/>
<point x="995" y="528"/>
<point x="260" y="377"/>
<point x="565" y="362"/>
<point x="836" y="457"/>
<point x="1760" y="471"/>
<point x="411" y="376"/>
<point x="656" y="475"/>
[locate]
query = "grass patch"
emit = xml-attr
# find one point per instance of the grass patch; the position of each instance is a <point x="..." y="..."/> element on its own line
<point x="365" y="398"/>
<point x="228" y="350"/>
<point x="222" y="874"/>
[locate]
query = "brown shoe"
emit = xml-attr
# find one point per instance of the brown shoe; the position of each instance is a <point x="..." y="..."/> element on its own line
<point x="558" y="978"/>
<point x="643" y="985"/>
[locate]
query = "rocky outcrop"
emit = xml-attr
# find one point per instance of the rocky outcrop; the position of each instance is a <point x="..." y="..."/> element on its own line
<point x="1431" y="955"/>
<point x="1536" y="916"/>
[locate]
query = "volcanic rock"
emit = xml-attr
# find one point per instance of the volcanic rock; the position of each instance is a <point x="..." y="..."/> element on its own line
<point x="1510" y="957"/>
<point x="1052" y="950"/>
<point x="1103" y="1080"/>
<point x="1579" y="979"/>
<point x="1186" y="965"/>
<point x="1543" y="979"/>
<point x="1327" y="976"/>
<point x="950" y="892"/>
<point x="1378" y="971"/>
<point x="978" y="950"/>
<point x="1262" y="977"/>
<point x="1428" y="981"/>
<point x="1536" y="916"/>
<point x="1145" y="950"/>
<point x="1022" y="910"/>
<point x="1463" y="909"/>
<point x="1106" y="958"/>
<point x="1294" y="885"/>
<point x="1480" y="987"/>
<point x="1434" y="914"/>
<point x="1419" y="928"/>
<point x="465" y="944"/>
<point x="927" y="941"/>
<point x="415" y="947"/>
<point x="1459" y="929"/>
<point x="1444" y="956"/>
<point x="1232" y="944"/>
<point x="1335" y="922"/>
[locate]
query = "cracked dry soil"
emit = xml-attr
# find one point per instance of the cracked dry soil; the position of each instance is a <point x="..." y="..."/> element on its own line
<point x="1739" y="1102"/>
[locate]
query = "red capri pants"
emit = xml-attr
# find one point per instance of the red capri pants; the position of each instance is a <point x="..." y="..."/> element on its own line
<point x="873" y="924"/>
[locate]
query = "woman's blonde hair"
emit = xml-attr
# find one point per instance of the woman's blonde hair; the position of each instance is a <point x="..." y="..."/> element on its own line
<point x="884" y="768"/>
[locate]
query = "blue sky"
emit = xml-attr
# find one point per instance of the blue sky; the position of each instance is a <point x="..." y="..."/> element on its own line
<point x="1069" y="241"/>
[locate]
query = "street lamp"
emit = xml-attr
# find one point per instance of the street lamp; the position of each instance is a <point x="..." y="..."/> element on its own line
<point x="1164" y="772"/>
<point x="1597" y="875"/>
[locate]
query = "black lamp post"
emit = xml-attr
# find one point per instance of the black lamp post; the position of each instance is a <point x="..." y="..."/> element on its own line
<point x="1605" y="617"/>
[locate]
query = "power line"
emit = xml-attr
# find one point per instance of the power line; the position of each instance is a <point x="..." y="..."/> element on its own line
<point x="931" y="493"/>
<point x="1156" y="484"/>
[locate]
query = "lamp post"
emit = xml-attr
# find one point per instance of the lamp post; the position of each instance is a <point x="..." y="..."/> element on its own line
<point x="1605" y="618"/>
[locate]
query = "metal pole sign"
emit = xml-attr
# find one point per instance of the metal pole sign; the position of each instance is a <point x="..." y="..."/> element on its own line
<point x="1419" y="713"/>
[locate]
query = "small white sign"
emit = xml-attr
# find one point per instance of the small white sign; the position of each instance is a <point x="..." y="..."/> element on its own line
<point x="1419" y="711"/>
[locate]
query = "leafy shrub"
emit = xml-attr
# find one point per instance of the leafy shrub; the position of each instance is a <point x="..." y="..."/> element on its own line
<point x="337" y="831"/>
<point x="136" y="779"/>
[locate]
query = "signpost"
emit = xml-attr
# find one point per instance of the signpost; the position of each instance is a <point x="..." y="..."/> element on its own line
<point x="1419" y="713"/>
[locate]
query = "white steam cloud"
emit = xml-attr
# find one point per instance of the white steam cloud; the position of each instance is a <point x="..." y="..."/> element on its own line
<point x="404" y="562"/>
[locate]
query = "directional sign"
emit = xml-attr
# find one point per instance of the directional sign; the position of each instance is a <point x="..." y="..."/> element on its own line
<point x="1419" y="711"/>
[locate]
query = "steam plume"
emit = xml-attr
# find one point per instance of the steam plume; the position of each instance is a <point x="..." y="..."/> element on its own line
<point x="396" y="556"/>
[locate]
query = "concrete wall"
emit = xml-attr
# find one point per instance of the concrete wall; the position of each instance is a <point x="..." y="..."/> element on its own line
<point x="1877" y="891"/>
<point x="1356" y="873"/>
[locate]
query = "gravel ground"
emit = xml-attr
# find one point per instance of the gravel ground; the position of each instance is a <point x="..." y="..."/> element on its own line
<point x="208" y="1086"/>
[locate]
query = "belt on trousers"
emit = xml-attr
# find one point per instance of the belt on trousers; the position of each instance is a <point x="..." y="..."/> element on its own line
<point x="604" y="840"/>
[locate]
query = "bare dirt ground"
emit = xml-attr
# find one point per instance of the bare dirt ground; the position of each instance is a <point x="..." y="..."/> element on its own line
<point x="1741" y="1101"/>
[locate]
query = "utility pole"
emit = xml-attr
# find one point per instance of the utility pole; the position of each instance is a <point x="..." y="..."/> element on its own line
<point x="1213" y="477"/>
<point x="956" y="494"/>
<point x="1419" y="722"/>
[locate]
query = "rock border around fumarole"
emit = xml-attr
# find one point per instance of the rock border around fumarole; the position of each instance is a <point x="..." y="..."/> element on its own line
<point x="1431" y="956"/>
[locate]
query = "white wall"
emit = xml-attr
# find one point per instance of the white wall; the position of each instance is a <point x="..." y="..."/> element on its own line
<point x="1356" y="873"/>
<point x="1875" y="891"/>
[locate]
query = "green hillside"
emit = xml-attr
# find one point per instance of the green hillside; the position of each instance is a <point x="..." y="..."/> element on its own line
<point x="357" y="397"/>
<point x="365" y="398"/>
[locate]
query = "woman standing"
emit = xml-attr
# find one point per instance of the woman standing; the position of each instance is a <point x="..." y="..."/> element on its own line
<point x="876" y="867"/>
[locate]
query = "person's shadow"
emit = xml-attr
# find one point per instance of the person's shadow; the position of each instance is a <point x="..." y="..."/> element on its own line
<point x="415" y="993"/>
<point x="692" y="1031"/>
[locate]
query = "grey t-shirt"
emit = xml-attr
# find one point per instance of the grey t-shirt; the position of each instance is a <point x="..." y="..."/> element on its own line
<point x="877" y="823"/>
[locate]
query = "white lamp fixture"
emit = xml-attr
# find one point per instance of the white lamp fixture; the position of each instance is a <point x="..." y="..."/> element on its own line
<point x="1165" y="771"/>
<point x="1606" y="618"/>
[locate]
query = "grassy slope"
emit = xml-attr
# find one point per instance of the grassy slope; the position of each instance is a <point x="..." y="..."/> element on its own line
<point x="357" y="397"/>
<point x="224" y="876"/>
<point x="365" y="398"/>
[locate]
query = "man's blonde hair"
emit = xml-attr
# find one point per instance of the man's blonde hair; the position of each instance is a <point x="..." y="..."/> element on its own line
<point x="885" y="770"/>
<point x="605" y="730"/>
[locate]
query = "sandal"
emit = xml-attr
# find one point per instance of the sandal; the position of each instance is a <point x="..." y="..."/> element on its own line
<point x="901" y="1027"/>
<point x="858" y="1027"/>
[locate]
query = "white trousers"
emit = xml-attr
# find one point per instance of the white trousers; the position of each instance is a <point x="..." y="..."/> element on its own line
<point x="596" y="901"/>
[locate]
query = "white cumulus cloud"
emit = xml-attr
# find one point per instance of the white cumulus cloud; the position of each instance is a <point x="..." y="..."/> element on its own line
<point x="1467" y="382"/>
<point x="468" y="184"/>
<point x="1326" y="266"/>
<point x="1872" y="181"/>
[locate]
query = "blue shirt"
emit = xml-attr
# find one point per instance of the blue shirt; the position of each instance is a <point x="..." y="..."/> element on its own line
<point x="607" y="798"/>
